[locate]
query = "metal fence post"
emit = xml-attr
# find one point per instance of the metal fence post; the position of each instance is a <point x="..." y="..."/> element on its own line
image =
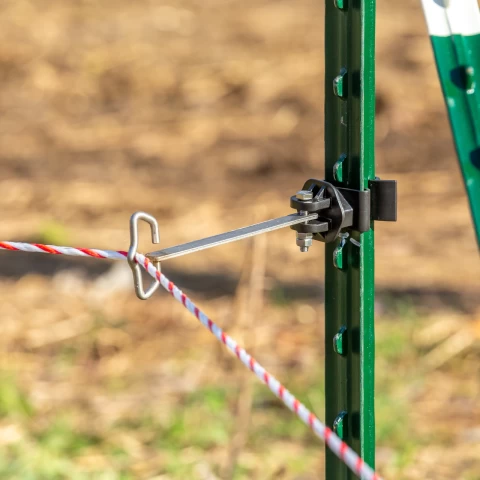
<point x="455" y="34"/>
<point x="349" y="269"/>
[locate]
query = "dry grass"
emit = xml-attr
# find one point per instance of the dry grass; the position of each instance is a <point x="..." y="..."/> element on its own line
<point x="198" y="112"/>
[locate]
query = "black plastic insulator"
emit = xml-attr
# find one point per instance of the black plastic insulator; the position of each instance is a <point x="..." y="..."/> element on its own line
<point x="384" y="199"/>
<point x="313" y="226"/>
<point x="342" y="208"/>
<point x="310" y="206"/>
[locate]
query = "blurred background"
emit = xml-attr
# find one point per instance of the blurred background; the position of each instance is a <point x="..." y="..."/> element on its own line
<point x="208" y="114"/>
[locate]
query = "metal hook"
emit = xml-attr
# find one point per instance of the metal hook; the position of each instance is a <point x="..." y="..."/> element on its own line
<point x="132" y="253"/>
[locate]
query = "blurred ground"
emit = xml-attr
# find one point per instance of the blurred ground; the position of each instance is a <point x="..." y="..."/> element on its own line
<point x="209" y="114"/>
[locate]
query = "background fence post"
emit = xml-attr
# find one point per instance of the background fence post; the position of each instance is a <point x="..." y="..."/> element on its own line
<point x="455" y="34"/>
<point x="349" y="278"/>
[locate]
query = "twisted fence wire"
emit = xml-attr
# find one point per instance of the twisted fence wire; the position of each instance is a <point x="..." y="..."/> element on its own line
<point x="334" y="443"/>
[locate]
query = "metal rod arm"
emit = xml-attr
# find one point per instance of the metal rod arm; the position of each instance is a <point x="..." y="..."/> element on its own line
<point x="239" y="234"/>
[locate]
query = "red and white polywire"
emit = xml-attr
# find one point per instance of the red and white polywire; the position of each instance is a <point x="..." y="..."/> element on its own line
<point x="334" y="443"/>
<point x="74" y="252"/>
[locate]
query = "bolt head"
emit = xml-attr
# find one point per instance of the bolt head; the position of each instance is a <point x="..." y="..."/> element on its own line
<point x="304" y="195"/>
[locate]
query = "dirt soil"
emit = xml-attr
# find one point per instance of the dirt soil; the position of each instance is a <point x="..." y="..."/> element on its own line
<point x="209" y="115"/>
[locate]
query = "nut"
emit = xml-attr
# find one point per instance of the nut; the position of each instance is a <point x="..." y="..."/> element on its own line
<point x="304" y="241"/>
<point x="304" y="195"/>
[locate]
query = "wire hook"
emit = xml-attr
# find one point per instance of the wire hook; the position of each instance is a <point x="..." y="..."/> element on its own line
<point x="132" y="253"/>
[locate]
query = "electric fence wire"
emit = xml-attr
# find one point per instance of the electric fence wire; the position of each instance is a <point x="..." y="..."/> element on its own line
<point x="334" y="443"/>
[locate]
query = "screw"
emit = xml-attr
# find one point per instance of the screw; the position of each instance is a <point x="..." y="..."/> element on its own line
<point x="304" y="195"/>
<point x="304" y="241"/>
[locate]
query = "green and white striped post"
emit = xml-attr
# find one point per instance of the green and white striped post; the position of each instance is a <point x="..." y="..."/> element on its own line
<point x="454" y="27"/>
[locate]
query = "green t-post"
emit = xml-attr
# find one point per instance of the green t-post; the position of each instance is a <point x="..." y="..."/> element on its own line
<point x="454" y="28"/>
<point x="349" y="262"/>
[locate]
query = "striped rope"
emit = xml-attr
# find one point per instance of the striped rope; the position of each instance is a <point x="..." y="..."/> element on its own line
<point x="334" y="443"/>
<point x="71" y="251"/>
